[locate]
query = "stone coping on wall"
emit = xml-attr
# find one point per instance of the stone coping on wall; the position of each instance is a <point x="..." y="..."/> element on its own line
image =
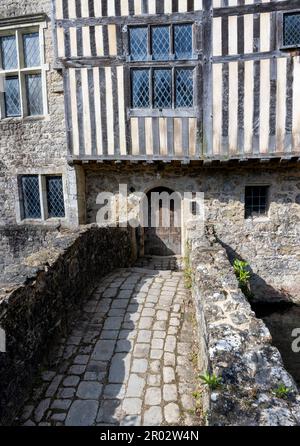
<point x="237" y="347"/>
<point x="41" y="304"/>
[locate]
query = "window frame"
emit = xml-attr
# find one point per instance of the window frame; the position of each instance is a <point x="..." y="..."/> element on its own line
<point x="173" y="64"/>
<point x="280" y="30"/>
<point x="257" y="217"/>
<point x="18" y="30"/>
<point x="172" y="55"/>
<point x="43" y="198"/>
<point x="157" y="110"/>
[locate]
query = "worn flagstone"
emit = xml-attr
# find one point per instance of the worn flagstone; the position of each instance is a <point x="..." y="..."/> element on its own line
<point x="127" y="360"/>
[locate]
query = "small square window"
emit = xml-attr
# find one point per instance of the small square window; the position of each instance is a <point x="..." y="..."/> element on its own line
<point x="55" y="197"/>
<point x="22" y="68"/>
<point x="31" y="197"/>
<point x="256" y="201"/>
<point x="291" y="30"/>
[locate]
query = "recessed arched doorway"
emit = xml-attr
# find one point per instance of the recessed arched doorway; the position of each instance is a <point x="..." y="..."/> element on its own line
<point x="163" y="238"/>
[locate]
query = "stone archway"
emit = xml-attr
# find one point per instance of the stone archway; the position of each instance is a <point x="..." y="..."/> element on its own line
<point x="163" y="240"/>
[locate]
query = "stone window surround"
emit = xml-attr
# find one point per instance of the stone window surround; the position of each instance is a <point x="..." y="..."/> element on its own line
<point x="42" y="174"/>
<point x="258" y="218"/>
<point x="20" y="26"/>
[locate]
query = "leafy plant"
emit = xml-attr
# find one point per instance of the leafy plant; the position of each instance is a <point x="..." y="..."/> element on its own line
<point x="243" y="275"/>
<point x="282" y="391"/>
<point x="211" y="380"/>
<point x="241" y="271"/>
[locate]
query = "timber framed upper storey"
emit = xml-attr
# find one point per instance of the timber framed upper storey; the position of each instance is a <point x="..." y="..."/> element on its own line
<point x="245" y="101"/>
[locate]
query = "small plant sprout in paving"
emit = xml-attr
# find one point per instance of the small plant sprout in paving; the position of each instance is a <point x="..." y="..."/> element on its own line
<point x="211" y="380"/>
<point x="282" y="391"/>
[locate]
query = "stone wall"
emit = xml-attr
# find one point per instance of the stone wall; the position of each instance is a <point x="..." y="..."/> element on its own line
<point x="39" y="304"/>
<point x="271" y="245"/>
<point x="35" y="145"/>
<point x="18" y="242"/>
<point x="237" y="347"/>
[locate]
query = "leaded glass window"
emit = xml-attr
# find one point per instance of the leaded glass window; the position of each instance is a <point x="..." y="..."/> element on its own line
<point x="184" y="88"/>
<point x="55" y="197"/>
<point x="42" y="197"/>
<point x="139" y="43"/>
<point x="183" y="41"/>
<point x="162" y="88"/>
<point x="291" y="31"/>
<point x="22" y="68"/>
<point x="31" y="45"/>
<point x="161" y="42"/>
<point x="34" y="94"/>
<point x="12" y="97"/>
<point x="31" y="197"/>
<point x="9" y="60"/>
<point x="140" y="88"/>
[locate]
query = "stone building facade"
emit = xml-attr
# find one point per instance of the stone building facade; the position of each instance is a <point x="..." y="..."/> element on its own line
<point x="241" y="136"/>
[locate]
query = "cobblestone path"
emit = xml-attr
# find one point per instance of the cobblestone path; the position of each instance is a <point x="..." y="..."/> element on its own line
<point x="128" y="360"/>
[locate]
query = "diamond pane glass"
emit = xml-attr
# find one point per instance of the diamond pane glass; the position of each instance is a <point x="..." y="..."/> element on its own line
<point x="184" y="88"/>
<point x="292" y="29"/>
<point x="12" y="97"/>
<point x="162" y="89"/>
<point x="31" y="197"/>
<point x="9" y="52"/>
<point x="55" y="197"/>
<point x="139" y="43"/>
<point x="183" y="41"/>
<point x="140" y="89"/>
<point x="31" y="44"/>
<point x="161" y="42"/>
<point x="34" y="94"/>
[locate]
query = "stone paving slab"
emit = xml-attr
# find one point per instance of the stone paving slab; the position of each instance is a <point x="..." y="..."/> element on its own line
<point x="127" y="361"/>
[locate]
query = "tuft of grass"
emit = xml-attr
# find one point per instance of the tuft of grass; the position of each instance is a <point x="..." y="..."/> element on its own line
<point x="211" y="380"/>
<point x="187" y="272"/>
<point x="282" y="391"/>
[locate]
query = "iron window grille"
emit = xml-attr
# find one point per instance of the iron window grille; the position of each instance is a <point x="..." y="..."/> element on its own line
<point x="256" y="201"/>
<point x="23" y="71"/>
<point x="291" y="30"/>
<point x="42" y="197"/>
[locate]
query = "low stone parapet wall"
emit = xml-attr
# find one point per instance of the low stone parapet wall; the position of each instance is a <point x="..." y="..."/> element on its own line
<point x="237" y="347"/>
<point x="39" y="301"/>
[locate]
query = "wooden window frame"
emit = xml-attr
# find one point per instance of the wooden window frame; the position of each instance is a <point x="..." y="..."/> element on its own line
<point x="280" y="30"/>
<point x="172" y="63"/>
<point x="21" y="71"/>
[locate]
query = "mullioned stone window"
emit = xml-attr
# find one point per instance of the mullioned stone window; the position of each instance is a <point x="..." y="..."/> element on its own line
<point x="23" y="90"/>
<point x="41" y="197"/>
